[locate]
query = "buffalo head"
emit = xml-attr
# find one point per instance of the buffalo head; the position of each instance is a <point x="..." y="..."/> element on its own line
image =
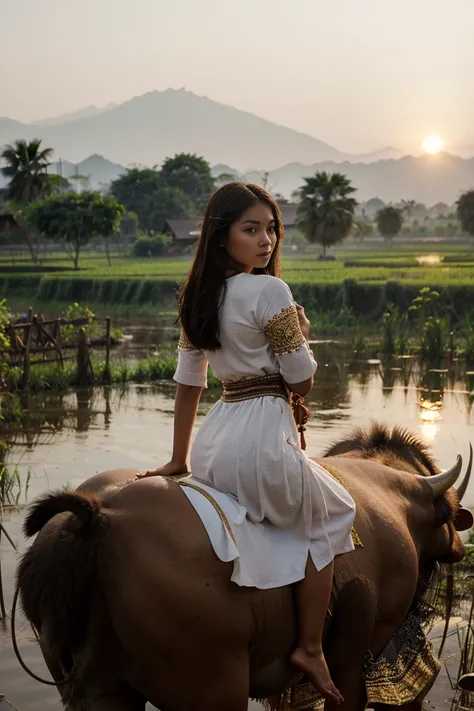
<point x="437" y="514"/>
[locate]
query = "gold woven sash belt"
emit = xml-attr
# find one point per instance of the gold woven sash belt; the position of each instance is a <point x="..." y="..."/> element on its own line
<point x="255" y="387"/>
<point x="269" y="385"/>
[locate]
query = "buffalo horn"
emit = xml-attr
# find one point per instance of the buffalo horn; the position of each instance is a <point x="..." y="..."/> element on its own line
<point x="444" y="481"/>
<point x="461" y="490"/>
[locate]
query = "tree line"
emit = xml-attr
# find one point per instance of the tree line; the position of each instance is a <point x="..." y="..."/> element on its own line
<point x="45" y="205"/>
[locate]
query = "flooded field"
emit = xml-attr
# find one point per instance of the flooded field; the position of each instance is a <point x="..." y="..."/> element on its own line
<point x="68" y="437"/>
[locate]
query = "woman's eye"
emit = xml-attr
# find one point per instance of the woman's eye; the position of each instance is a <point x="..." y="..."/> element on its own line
<point x="251" y="230"/>
<point x="272" y="230"/>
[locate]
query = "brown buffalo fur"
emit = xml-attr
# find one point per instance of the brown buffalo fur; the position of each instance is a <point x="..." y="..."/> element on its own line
<point x="51" y="584"/>
<point x="86" y="507"/>
<point x="57" y="578"/>
<point x="396" y="447"/>
<point x="389" y="446"/>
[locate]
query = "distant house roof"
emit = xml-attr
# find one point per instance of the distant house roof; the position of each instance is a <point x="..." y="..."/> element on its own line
<point x="183" y="230"/>
<point x="8" y="222"/>
<point x="188" y="230"/>
<point x="288" y="213"/>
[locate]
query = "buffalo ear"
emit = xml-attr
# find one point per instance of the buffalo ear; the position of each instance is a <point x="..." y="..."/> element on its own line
<point x="464" y="520"/>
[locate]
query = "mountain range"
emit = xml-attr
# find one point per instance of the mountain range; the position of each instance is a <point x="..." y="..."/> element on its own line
<point x="97" y="171"/>
<point x="426" y="179"/>
<point x="86" y="112"/>
<point x="147" y="129"/>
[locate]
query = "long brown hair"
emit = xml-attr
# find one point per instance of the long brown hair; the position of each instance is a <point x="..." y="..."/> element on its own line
<point x="202" y="293"/>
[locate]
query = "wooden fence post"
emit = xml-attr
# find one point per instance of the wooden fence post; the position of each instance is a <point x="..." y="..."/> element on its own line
<point x="85" y="373"/>
<point x="26" y="358"/>
<point x="57" y="339"/>
<point x="27" y="340"/>
<point x="43" y="338"/>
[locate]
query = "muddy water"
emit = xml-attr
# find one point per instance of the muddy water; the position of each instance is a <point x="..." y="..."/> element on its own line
<point x="68" y="437"/>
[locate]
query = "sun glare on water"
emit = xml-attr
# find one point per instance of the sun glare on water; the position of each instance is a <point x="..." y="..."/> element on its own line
<point x="433" y="145"/>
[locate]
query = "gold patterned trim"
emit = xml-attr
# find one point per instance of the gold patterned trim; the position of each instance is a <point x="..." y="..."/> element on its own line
<point x="393" y="684"/>
<point x="284" y="332"/>
<point x="405" y="669"/>
<point x="184" y="343"/>
<point x="301" y="696"/>
<point x="211" y="499"/>
<point x="183" y="482"/>
<point x="251" y="388"/>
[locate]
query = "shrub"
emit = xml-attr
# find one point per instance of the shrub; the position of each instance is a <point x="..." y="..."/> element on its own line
<point x="154" y="246"/>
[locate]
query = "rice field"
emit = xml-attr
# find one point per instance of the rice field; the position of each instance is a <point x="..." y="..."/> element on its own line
<point x="358" y="274"/>
<point x="409" y="264"/>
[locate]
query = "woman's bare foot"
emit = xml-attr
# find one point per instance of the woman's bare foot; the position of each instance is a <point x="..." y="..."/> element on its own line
<point x="314" y="665"/>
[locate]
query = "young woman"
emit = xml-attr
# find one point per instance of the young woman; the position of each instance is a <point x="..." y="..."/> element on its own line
<point x="239" y="317"/>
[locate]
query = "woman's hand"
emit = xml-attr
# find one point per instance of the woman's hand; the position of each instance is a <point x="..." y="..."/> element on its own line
<point x="303" y="321"/>
<point x="170" y="469"/>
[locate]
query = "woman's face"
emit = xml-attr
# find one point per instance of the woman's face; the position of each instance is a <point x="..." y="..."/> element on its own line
<point x="252" y="238"/>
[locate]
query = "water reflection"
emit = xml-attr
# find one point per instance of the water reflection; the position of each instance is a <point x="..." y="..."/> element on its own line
<point x="341" y="381"/>
<point x="143" y="335"/>
<point x="65" y="438"/>
<point x="397" y="373"/>
<point x="430" y="415"/>
<point x="429" y="260"/>
<point x="46" y="414"/>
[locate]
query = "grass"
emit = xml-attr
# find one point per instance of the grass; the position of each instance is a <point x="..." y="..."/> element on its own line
<point x="10" y="485"/>
<point x="433" y="344"/>
<point x="383" y="263"/>
<point x="53" y="377"/>
<point x="352" y="292"/>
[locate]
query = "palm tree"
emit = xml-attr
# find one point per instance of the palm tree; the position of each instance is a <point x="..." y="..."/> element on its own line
<point x="26" y="168"/>
<point x="465" y="211"/>
<point x="389" y="221"/>
<point x="326" y="210"/>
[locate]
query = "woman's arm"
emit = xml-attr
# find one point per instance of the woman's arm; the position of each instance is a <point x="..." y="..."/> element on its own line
<point x="303" y="387"/>
<point x="185" y="408"/>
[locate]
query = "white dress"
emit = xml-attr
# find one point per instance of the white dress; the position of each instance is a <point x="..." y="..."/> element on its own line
<point x="250" y="449"/>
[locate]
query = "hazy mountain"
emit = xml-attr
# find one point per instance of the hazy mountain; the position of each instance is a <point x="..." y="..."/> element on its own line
<point x="426" y="179"/>
<point x="387" y="153"/>
<point x="86" y="112"/>
<point x="66" y="168"/>
<point x="11" y="129"/>
<point x="151" y="127"/>
<point x="463" y="151"/>
<point x="148" y="128"/>
<point x="96" y="170"/>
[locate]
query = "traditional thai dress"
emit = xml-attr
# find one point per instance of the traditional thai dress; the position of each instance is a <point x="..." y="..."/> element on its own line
<point x="250" y="448"/>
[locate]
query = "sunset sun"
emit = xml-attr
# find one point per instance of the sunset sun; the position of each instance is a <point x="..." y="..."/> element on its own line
<point x="433" y="145"/>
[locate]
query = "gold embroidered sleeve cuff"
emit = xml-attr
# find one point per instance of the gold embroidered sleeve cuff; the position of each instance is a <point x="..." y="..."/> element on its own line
<point x="284" y="332"/>
<point x="184" y="343"/>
